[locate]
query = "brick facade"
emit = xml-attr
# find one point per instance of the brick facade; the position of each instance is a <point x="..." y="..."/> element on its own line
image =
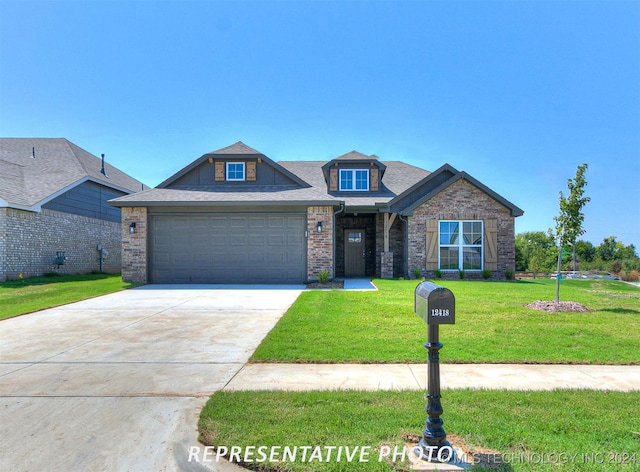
<point x="462" y="201"/>
<point x="29" y="242"/>
<point x="319" y="244"/>
<point x="134" y="245"/>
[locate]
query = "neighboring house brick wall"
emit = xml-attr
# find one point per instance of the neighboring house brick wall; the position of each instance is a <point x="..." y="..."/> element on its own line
<point x="3" y="244"/>
<point x="29" y="242"/>
<point x="319" y="245"/>
<point x="134" y="246"/>
<point x="462" y="201"/>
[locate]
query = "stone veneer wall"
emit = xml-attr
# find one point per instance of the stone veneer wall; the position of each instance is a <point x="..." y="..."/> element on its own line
<point x="29" y="242"/>
<point x="319" y="245"/>
<point x="463" y="201"/>
<point x="134" y="246"/>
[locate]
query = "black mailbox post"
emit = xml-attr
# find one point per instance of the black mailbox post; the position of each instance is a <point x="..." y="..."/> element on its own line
<point x="436" y="306"/>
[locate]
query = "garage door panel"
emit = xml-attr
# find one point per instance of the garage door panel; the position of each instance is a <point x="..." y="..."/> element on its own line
<point x="215" y="248"/>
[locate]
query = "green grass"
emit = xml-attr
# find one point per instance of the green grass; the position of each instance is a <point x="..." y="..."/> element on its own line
<point x="529" y="430"/>
<point x="37" y="293"/>
<point x="492" y="325"/>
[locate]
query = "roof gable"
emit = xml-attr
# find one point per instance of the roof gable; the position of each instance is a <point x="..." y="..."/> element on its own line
<point x="435" y="183"/>
<point x="35" y="170"/>
<point x="199" y="173"/>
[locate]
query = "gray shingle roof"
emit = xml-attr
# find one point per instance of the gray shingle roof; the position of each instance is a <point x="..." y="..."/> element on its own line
<point x="402" y="185"/>
<point x="354" y="156"/>
<point x="397" y="178"/>
<point x="202" y="196"/>
<point x="34" y="170"/>
<point x="237" y="148"/>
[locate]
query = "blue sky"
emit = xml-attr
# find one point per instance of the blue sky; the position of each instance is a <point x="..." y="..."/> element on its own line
<point x="516" y="93"/>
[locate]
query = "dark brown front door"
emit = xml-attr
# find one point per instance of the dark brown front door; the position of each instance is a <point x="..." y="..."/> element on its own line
<point x="354" y="253"/>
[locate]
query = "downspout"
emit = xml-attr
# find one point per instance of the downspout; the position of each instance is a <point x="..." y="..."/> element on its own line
<point x="342" y="208"/>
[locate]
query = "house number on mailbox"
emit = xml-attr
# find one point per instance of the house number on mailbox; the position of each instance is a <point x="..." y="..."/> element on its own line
<point x="439" y="312"/>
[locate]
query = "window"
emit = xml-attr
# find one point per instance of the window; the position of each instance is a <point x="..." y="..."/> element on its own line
<point x="461" y="251"/>
<point x="235" y="170"/>
<point x="355" y="237"/>
<point x="354" y="179"/>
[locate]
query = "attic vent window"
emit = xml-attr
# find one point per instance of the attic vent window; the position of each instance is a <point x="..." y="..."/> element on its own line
<point x="235" y="171"/>
<point x="354" y="179"/>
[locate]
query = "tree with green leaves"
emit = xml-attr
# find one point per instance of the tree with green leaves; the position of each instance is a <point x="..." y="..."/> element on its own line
<point x="569" y="221"/>
<point x="535" y="252"/>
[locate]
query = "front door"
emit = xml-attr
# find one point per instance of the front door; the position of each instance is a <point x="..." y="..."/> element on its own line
<point x="354" y="253"/>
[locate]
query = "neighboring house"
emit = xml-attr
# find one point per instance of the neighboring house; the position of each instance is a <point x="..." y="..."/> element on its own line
<point x="236" y="216"/>
<point x="54" y="215"/>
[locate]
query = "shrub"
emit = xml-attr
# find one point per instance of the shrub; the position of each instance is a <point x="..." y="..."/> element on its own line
<point x="508" y="274"/>
<point x="323" y="276"/>
<point x="616" y="267"/>
<point x="461" y="274"/>
<point x="631" y="276"/>
<point x="438" y="274"/>
<point x="417" y="272"/>
<point x="486" y="274"/>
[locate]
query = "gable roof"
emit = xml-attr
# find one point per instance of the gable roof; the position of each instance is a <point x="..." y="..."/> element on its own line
<point x="398" y="176"/>
<point x="237" y="149"/>
<point x="354" y="156"/>
<point x="435" y="183"/>
<point x="404" y="186"/>
<point x="33" y="171"/>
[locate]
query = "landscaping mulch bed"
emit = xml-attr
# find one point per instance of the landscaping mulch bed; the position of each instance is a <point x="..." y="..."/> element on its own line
<point x="553" y="307"/>
<point x="328" y="285"/>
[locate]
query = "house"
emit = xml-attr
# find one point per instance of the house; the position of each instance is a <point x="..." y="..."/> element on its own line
<point x="236" y="216"/>
<point x="54" y="215"/>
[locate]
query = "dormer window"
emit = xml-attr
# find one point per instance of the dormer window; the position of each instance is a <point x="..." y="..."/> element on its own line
<point x="354" y="180"/>
<point x="235" y="171"/>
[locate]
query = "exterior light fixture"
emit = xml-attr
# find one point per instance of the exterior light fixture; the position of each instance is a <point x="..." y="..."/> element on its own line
<point x="319" y="226"/>
<point x="132" y="228"/>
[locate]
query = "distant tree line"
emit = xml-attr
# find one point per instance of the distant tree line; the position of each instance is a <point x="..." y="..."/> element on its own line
<point x="536" y="252"/>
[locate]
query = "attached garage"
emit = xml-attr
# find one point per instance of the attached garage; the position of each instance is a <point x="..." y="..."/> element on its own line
<point x="241" y="248"/>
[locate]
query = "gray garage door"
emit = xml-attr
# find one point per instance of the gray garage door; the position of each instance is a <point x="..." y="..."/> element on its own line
<point x="223" y="248"/>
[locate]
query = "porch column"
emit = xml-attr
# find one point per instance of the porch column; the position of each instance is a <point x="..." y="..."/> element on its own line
<point x="386" y="262"/>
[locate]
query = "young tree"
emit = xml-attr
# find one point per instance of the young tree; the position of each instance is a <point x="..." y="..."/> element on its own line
<point x="569" y="221"/>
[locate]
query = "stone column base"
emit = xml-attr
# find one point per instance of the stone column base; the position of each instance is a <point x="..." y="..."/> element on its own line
<point x="386" y="265"/>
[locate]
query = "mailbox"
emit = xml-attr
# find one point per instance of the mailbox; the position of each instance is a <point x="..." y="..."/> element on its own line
<point x="435" y="304"/>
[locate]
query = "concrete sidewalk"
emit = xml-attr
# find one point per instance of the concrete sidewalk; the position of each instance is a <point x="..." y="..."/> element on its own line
<point x="300" y="377"/>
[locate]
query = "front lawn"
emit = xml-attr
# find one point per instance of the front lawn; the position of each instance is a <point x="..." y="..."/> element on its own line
<point x="492" y="325"/>
<point x="577" y="430"/>
<point x="37" y="293"/>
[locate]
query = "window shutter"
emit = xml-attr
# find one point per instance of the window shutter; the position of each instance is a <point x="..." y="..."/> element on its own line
<point x="491" y="244"/>
<point x="373" y="177"/>
<point x="333" y="180"/>
<point x="219" y="171"/>
<point x="251" y="171"/>
<point x="432" y="245"/>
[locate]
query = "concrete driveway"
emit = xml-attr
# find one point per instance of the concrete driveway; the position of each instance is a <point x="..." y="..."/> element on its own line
<point x="116" y="383"/>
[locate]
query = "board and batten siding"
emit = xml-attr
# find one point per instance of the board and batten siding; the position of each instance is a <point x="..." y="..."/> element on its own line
<point x="87" y="199"/>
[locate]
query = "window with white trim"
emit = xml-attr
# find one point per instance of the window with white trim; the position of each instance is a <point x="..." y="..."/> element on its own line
<point x="235" y="171"/>
<point x="460" y="245"/>
<point x="354" y="179"/>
